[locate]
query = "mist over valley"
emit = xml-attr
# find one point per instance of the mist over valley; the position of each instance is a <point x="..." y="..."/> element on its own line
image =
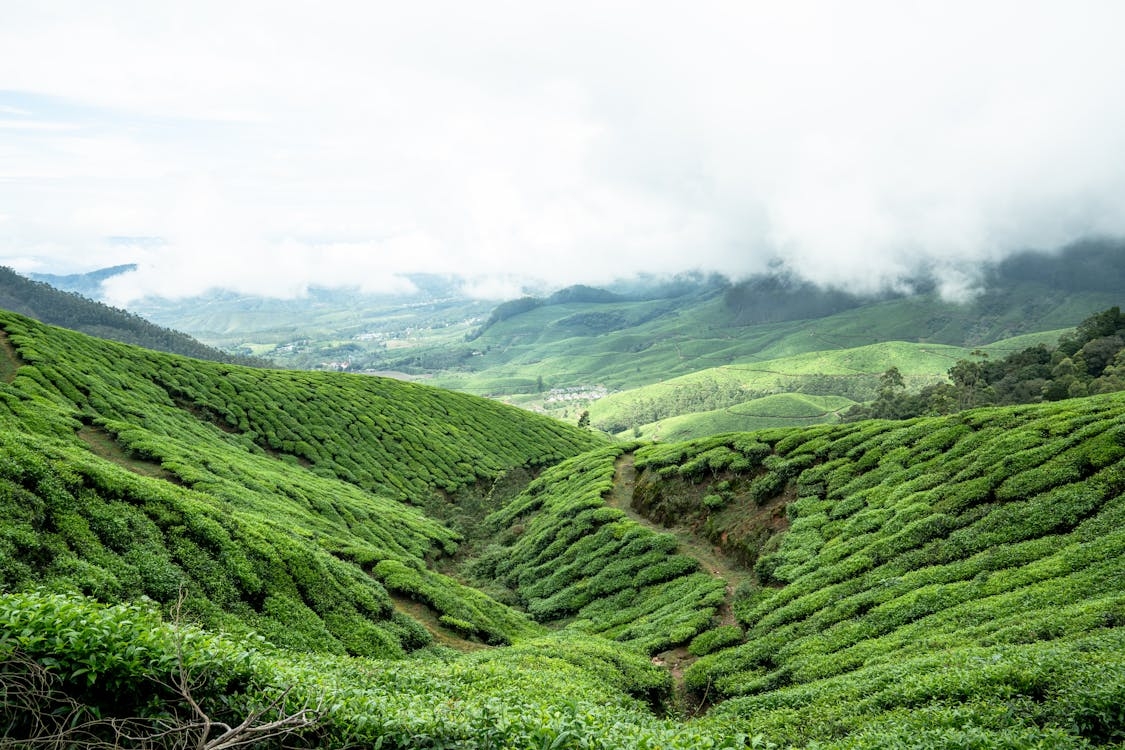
<point x="515" y="375"/>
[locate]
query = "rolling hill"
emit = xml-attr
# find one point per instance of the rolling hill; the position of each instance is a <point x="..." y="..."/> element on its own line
<point x="632" y="343"/>
<point x="365" y="330"/>
<point x="639" y="332"/>
<point x="788" y="391"/>
<point x="650" y="341"/>
<point x="194" y="552"/>
<point x="776" y="410"/>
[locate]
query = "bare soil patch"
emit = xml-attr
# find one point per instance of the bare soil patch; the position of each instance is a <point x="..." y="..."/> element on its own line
<point x="103" y="444"/>
<point x="10" y="360"/>
<point x="429" y="620"/>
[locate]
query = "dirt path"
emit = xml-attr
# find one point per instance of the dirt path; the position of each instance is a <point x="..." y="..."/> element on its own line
<point x="105" y="445"/>
<point x="424" y="615"/>
<point x="712" y="561"/>
<point x="9" y="359"/>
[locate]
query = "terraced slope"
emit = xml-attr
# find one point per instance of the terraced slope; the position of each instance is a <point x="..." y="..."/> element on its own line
<point x="572" y="559"/>
<point x="273" y="500"/>
<point x="379" y="434"/>
<point x="960" y="576"/>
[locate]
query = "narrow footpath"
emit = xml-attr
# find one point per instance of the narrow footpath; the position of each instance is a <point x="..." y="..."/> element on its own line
<point x="691" y="544"/>
<point x="710" y="559"/>
<point x="429" y="619"/>
<point x="10" y="360"/>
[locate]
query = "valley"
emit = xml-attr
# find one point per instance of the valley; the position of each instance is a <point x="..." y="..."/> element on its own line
<point x="674" y="358"/>
<point x="540" y="376"/>
<point x="399" y="565"/>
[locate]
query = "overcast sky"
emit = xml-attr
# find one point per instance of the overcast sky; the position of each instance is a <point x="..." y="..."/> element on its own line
<point x="265" y="146"/>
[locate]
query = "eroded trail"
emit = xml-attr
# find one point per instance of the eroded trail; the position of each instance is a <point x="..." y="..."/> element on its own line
<point x="429" y="619"/>
<point x="10" y="360"/>
<point x="712" y="561"/>
<point x="691" y="544"/>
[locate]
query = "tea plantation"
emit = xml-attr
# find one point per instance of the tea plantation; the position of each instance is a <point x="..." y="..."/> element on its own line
<point x="195" y="554"/>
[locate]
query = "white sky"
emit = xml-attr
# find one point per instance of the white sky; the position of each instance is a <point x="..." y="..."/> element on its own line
<point x="273" y="145"/>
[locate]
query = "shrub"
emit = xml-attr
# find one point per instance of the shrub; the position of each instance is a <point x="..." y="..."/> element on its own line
<point x="713" y="640"/>
<point x="714" y="502"/>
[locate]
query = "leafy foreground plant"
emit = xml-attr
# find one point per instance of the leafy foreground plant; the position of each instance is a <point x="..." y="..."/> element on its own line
<point x="76" y="673"/>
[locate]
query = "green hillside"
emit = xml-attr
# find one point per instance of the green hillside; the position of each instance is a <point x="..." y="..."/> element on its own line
<point x="639" y="333"/>
<point x="958" y="577"/>
<point x="790" y="391"/>
<point x="561" y="353"/>
<point x="661" y="339"/>
<point x="275" y="500"/>
<point x="852" y="374"/>
<point x="572" y="559"/>
<point x="328" y="325"/>
<point x="777" y="410"/>
<point x="193" y="552"/>
<point x="627" y="343"/>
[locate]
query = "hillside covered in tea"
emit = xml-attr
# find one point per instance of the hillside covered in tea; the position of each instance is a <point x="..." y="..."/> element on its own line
<point x="194" y="551"/>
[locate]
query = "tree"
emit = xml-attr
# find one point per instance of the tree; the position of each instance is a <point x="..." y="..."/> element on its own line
<point x="584" y="420"/>
<point x="890" y="382"/>
<point x="1098" y="353"/>
<point x="890" y="392"/>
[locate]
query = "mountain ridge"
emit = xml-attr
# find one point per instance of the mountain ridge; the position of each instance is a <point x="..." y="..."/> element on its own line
<point x="42" y="301"/>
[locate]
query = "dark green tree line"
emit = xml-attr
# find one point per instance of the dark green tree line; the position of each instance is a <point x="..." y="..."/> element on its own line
<point x="1088" y="361"/>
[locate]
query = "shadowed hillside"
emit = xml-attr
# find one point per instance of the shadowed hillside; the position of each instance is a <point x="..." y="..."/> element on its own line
<point x="44" y="302"/>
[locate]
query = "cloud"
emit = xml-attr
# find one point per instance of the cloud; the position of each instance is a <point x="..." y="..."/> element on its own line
<point x="281" y="145"/>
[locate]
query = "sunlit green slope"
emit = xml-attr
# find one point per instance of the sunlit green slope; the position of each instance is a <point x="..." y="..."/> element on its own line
<point x="939" y="578"/>
<point x="794" y="391"/>
<point x="385" y="435"/>
<point x="777" y="410"/>
<point x="277" y="501"/>
<point x="845" y="373"/>
<point x="666" y="339"/>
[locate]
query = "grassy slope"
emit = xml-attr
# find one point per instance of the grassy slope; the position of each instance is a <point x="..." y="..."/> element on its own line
<point x="670" y="339"/>
<point x="851" y="374"/>
<point x="840" y="376"/>
<point x="274" y="499"/>
<point x="778" y="410"/>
